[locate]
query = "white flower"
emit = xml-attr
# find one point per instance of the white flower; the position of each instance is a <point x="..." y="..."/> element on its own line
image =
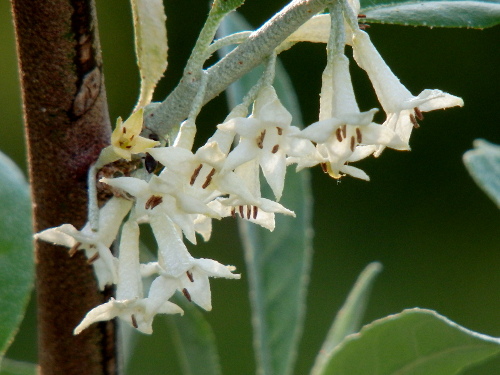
<point x="266" y="136"/>
<point x="343" y="128"/>
<point x="161" y="197"/>
<point x="402" y="108"/>
<point x="179" y="270"/>
<point x="95" y="244"/>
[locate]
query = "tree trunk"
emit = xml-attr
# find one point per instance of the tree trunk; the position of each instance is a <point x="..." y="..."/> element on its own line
<point x="67" y="124"/>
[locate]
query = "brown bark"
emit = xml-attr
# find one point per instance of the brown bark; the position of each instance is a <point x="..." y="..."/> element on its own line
<point x="67" y="124"/>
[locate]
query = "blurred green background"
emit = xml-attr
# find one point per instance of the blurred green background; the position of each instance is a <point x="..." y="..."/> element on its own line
<point x="421" y="215"/>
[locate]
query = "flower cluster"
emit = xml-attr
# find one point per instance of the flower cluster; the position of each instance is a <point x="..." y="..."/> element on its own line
<point x="179" y="191"/>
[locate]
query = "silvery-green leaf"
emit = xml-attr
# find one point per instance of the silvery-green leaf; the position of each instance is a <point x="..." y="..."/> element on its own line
<point x="433" y="13"/>
<point x="150" y="45"/>
<point x="278" y="263"/>
<point x="483" y="164"/>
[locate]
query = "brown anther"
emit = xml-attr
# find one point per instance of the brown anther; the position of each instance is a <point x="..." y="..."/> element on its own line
<point x="186" y="294"/>
<point x="132" y="136"/>
<point x="260" y="139"/>
<point x="280" y="130"/>
<point x="128" y="147"/>
<point x="275" y="149"/>
<point x="233" y="212"/>
<point x="418" y="113"/>
<point x="152" y="202"/>
<point x="344" y="131"/>
<point x="74" y="249"/>
<point x="124" y="130"/>
<point x="209" y="179"/>
<point x="364" y="26"/>
<point x="134" y="321"/>
<point x="241" y="212"/>
<point x="121" y="143"/>
<point x="414" y="121"/>
<point x="255" y="212"/>
<point x="359" y="137"/>
<point x="195" y="174"/>
<point x="353" y="144"/>
<point x="249" y="212"/>
<point x="92" y="246"/>
<point x="324" y="167"/>
<point x="190" y="276"/>
<point x="93" y="258"/>
<point x="361" y="15"/>
<point x="338" y="134"/>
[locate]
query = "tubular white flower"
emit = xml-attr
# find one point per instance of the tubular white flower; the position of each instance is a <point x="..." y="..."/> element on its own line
<point x="179" y="270"/>
<point x="343" y="128"/>
<point x="266" y="136"/>
<point x="167" y="198"/>
<point x="402" y="108"/>
<point x="95" y="244"/>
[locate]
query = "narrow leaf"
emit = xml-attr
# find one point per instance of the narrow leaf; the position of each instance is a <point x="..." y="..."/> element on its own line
<point x="194" y="340"/>
<point x="150" y="45"/>
<point x="16" y="250"/>
<point x="483" y="164"/>
<point x="278" y="263"/>
<point x="12" y="367"/>
<point x="414" y="342"/>
<point x="438" y="13"/>
<point x="348" y="319"/>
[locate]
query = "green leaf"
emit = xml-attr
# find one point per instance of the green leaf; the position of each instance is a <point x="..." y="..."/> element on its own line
<point x="194" y="340"/>
<point x="11" y="367"/>
<point x="446" y="13"/>
<point x="150" y="45"/>
<point x="483" y="164"/>
<point x="16" y="250"/>
<point x="414" y="342"/>
<point x="278" y="263"/>
<point x="348" y="319"/>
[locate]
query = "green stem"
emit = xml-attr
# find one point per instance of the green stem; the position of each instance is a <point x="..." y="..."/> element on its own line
<point x="170" y="113"/>
<point x="67" y="125"/>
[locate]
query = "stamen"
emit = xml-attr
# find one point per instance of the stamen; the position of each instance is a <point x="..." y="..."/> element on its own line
<point x="358" y="135"/>
<point x="132" y="137"/>
<point x="353" y="144"/>
<point x="338" y="134"/>
<point x="134" y="321"/>
<point x="150" y="163"/>
<point x="361" y="15"/>
<point x="260" y="139"/>
<point x="128" y="147"/>
<point x="124" y="130"/>
<point x="209" y="179"/>
<point x="255" y="212"/>
<point x="152" y="202"/>
<point x="280" y="130"/>
<point x="324" y="167"/>
<point x="74" y="249"/>
<point x="241" y="212"/>
<point x="93" y="258"/>
<point x="233" y="212"/>
<point x="190" y="276"/>
<point x="186" y="294"/>
<point x="414" y="121"/>
<point x="418" y="113"/>
<point x="195" y="174"/>
<point x="344" y="131"/>
<point x="275" y="149"/>
<point x="363" y="26"/>
<point x="249" y="212"/>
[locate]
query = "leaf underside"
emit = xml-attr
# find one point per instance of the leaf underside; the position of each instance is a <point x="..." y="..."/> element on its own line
<point x="470" y="14"/>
